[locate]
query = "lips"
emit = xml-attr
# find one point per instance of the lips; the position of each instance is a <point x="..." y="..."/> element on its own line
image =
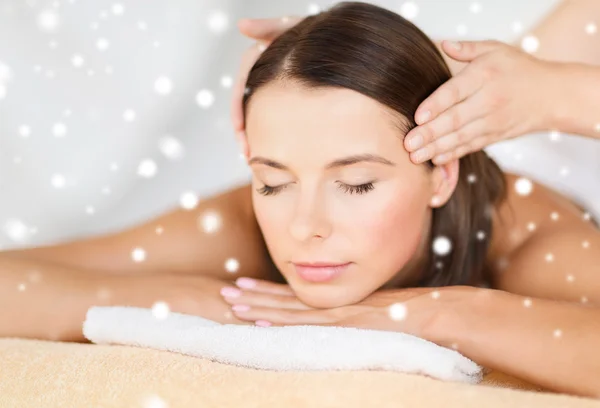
<point x="319" y="271"/>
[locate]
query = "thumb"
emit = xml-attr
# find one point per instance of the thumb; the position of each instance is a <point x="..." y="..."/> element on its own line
<point x="267" y="29"/>
<point x="469" y="50"/>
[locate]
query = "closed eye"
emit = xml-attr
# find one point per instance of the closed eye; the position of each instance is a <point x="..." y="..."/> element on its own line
<point x="346" y="188"/>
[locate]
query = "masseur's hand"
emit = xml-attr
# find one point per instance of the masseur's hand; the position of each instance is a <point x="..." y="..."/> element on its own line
<point x="410" y="310"/>
<point x="502" y="93"/>
<point x="264" y="31"/>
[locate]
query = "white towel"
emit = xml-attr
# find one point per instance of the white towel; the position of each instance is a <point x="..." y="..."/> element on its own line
<point x="280" y="348"/>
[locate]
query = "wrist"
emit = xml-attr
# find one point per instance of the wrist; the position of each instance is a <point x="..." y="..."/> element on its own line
<point x="571" y="104"/>
<point x="458" y="316"/>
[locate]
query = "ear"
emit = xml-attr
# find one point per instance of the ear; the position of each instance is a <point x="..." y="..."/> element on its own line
<point x="443" y="182"/>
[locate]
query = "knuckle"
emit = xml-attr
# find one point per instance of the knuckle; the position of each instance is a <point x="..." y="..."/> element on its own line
<point x="456" y="120"/>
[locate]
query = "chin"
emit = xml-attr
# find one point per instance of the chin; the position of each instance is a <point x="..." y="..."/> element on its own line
<point x="327" y="297"/>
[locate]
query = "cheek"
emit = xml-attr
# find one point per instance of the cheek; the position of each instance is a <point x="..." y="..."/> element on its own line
<point x="391" y="227"/>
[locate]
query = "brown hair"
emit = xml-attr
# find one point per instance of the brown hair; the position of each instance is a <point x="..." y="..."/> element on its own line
<point x="378" y="53"/>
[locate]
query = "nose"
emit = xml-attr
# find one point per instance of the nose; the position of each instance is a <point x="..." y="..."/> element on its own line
<point x="310" y="219"/>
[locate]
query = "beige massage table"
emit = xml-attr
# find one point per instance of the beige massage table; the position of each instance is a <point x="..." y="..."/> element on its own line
<point x="68" y="375"/>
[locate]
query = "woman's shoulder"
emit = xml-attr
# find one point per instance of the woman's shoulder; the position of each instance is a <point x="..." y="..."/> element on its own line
<point x="531" y="210"/>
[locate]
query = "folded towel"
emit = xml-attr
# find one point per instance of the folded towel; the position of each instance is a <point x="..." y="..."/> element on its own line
<point x="286" y="348"/>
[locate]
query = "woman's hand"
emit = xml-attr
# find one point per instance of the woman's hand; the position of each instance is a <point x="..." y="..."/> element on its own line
<point x="502" y="93"/>
<point x="264" y="31"/>
<point x="410" y="310"/>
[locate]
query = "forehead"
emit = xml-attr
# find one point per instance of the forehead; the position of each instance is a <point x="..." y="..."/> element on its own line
<point x="286" y="113"/>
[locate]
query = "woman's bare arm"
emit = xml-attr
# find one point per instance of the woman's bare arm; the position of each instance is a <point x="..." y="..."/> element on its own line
<point x="547" y="330"/>
<point x="561" y="34"/>
<point x="176" y="242"/>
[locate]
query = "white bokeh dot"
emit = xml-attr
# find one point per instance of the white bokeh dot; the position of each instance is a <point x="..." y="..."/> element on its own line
<point x="3" y="91"/>
<point x="48" y="20"/>
<point x="205" y="98"/>
<point x="90" y="210"/>
<point x="585" y="244"/>
<point x="313" y="9"/>
<point x="226" y="81"/>
<point x="523" y="186"/>
<point x="16" y="230"/>
<point x="531" y="226"/>
<point x="154" y="401"/>
<point x="24" y="131"/>
<point x="188" y="200"/>
<point x="564" y="171"/>
<point x="517" y="27"/>
<point x="59" y="130"/>
<point x="218" y="21"/>
<point x="118" y="9"/>
<point x="163" y="85"/>
<point x="5" y="73"/>
<point x="480" y="235"/>
<point x="442" y="245"/>
<point x="159" y="230"/>
<point x="77" y="61"/>
<point x="435" y="294"/>
<point x="554" y="135"/>
<point x="462" y="29"/>
<point x="147" y="168"/>
<point x="530" y="44"/>
<point x="138" y="254"/>
<point x="570" y="278"/>
<point x="232" y="265"/>
<point x="554" y="216"/>
<point x="398" y="311"/>
<point x="142" y="25"/>
<point x="591" y="28"/>
<point x="160" y="310"/>
<point x="58" y="181"/>
<point x="549" y="257"/>
<point x="171" y="147"/>
<point x="527" y="302"/>
<point x="558" y="333"/>
<point x="129" y="115"/>
<point x="475" y="7"/>
<point x="409" y="10"/>
<point x="102" y="44"/>
<point x="210" y="221"/>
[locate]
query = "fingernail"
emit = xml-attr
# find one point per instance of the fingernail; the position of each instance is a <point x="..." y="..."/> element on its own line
<point x="229" y="291"/>
<point x="246" y="283"/>
<point x="423" y="117"/>
<point x="415" y="142"/>
<point x="420" y="155"/>
<point x="240" y="308"/>
<point x="262" y="323"/>
<point x="456" y="45"/>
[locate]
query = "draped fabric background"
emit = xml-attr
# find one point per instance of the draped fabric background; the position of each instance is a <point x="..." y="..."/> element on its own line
<point x="110" y="111"/>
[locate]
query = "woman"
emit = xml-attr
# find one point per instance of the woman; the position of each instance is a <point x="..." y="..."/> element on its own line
<point x="349" y="223"/>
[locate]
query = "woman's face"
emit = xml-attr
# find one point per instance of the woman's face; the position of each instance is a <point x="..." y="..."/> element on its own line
<point x="311" y="147"/>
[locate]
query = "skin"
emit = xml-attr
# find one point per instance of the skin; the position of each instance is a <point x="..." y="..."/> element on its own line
<point x="185" y="268"/>
<point x="312" y="215"/>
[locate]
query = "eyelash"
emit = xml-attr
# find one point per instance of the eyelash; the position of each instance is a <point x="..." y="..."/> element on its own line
<point x="360" y="189"/>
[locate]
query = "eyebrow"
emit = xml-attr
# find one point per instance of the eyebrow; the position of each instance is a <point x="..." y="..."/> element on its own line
<point x="344" y="161"/>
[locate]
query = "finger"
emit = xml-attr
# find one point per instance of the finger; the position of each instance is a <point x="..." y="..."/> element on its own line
<point x="263" y="286"/>
<point x="248" y="60"/>
<point x="451" y="120"/>
<point x="450" y="142"/>
<point x="473" y="145"/>
<point x="235" y="296"/>
<point x="466" y="51"/>
<point x="267" y="29"/>
<point x="453" y="91"/>
<point x="463" y="150"/>
<point x="282" y="317"/>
